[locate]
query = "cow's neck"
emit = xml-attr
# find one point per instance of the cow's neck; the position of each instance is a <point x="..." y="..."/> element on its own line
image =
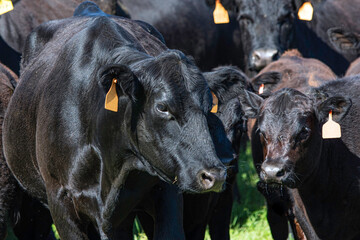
<point x="333" y="185"/>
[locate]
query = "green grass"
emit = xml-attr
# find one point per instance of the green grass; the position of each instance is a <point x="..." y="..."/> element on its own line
<point x="248" y="220"/>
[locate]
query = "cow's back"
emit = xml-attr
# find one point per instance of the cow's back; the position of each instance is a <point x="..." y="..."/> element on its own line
<point x="16" y="25"/>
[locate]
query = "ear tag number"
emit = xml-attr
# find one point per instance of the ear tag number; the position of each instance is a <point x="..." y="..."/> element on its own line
<point x="5" y="6"/>
<point x="220" y="14"/>
<point x="331" y="129"/>
<point x="112" y="99"/>
<point x="215" y="103"/>
<point x="306" y="12"/>
<point x="261" y="88"/>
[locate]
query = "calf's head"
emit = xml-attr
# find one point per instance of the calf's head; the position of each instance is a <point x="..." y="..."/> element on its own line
<point x="167" y="120"/>
<point x="289" y="124"/>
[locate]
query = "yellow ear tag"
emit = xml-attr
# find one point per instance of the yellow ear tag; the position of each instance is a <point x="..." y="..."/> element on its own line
<point x="331" y="129"/>
<point x="215" y="103"/>
<point x="306" y="12"/>
<point x="112" y="99"/>
<point x="5" y="6"/>
<point x="220" y="14"/>
<point x="261" y="88"/>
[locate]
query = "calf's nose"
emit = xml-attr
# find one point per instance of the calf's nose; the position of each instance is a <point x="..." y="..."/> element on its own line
<point x="213" y="179"/>
<point x="262" y="57"/>
<point x="271" y="173"/>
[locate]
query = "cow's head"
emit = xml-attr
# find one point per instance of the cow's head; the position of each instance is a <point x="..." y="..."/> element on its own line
<point x="266" y="28"/>
<point x="289" y="124"/>
<point x="231" y="86"/>
<point x="167" y="123"/>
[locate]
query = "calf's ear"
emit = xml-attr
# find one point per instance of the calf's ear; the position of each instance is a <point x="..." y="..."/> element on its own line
<point x="269" y="79"/>
<point x="250" y="104"/>
<point x="344" y="41"/>
<point x="127" y="83"/>
<point x="338" y="105"/>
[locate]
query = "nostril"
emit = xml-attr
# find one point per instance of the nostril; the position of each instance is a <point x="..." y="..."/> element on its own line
<point x="280" y="173"/>
<point x="207" y="179"/>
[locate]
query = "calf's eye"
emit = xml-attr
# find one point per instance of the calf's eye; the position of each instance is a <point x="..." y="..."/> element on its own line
<point x="304" y="133"/>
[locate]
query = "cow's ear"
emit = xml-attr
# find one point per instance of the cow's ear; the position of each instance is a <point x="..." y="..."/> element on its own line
<point x="250" y="104"/>
<point x="269" y="79"/>
<point x="338" y="105"/>
<point x="344" y="41"/>
<point x="127" y="83"/>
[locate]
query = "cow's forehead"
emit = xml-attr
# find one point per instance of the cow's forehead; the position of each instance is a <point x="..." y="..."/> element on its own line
<point x="286" y="109"/>
<point x="265" y="7"/>
<point x="177" y="80"/>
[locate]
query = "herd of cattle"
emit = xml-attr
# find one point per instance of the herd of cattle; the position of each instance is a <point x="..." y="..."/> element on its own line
<point x="138" y="108"/>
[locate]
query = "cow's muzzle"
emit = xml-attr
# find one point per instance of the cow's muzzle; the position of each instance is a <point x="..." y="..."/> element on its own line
<point x="212" y="179"/>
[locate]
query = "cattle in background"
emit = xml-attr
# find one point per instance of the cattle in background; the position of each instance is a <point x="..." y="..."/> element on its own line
<point x="17" y="24"/>
<point x="325" y="172"/>
<point x="195" y="33"/>
<point x="268" y="28"/>
<point x="347" y="42"/>
<point x="28" y="218"/>
<point x="188" y="26"/>
<point x="159" y="89"/>
<point x="291" y="70"/>
<point x="335" y="14"/>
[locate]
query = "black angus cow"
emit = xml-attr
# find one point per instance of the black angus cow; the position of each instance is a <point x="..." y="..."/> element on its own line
<point x="268" y="28"/>
<point x="57" y="117"/>
<point x="229" y="85"/>
<point x="324" y="172"/>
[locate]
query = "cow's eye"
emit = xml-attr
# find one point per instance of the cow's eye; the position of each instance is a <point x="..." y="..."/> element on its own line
<point x="160" y="107"/>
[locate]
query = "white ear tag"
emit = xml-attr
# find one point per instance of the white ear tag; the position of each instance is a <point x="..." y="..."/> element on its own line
<point x="331" y="129"/>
